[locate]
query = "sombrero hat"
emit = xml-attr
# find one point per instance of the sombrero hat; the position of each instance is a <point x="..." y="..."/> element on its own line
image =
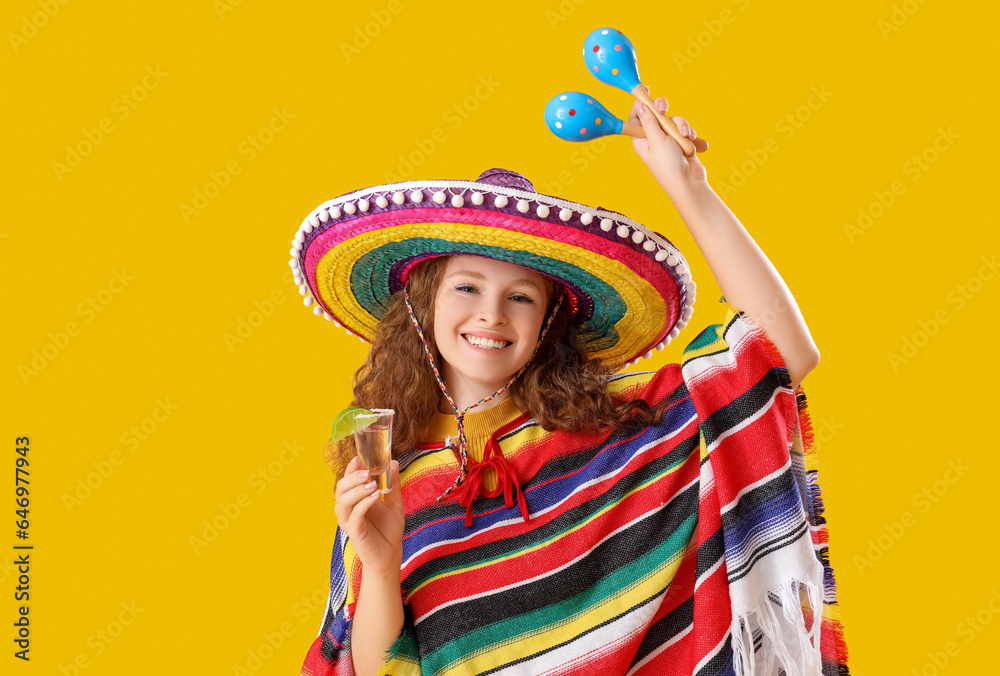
<point x="630" y="289"/>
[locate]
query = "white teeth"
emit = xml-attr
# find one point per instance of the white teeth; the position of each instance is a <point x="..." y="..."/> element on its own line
<point x="488" y="343"/>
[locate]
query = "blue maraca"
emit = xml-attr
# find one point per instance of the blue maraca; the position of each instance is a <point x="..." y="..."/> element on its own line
<point x="574" y="116"/>
<point x="610" y="57"/>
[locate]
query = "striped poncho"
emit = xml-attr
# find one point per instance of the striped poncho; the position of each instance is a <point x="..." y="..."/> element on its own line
<point x="695" y="546"/>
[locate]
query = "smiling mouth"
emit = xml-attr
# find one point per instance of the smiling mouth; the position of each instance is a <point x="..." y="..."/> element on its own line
<point x="486" y="343"/>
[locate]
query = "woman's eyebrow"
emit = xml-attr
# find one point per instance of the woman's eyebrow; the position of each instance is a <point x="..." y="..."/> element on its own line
<point x="467" y="273"/>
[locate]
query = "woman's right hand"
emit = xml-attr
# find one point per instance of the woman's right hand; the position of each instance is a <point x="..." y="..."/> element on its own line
<point x="662" y="155"/>
<point x="375" y="527"/>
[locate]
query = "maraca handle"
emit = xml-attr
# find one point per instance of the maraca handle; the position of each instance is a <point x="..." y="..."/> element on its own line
<point x="629" y="129"/>
<point x="666" y="124"/>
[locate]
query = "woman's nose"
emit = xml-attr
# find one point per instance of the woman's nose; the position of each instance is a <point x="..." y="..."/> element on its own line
<point x="491" y="312"/>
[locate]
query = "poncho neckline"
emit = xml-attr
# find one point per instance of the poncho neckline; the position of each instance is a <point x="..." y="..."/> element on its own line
<point x="479" y="426"/>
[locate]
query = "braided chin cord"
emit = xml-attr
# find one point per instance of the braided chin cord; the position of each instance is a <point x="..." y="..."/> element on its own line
<point x="460" y="415"/>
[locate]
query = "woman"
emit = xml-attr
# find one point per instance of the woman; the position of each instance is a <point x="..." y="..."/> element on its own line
<point x="546" y="515"/>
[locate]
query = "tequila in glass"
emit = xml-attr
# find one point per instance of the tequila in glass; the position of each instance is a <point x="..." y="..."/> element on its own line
<point x="374" y="445"/>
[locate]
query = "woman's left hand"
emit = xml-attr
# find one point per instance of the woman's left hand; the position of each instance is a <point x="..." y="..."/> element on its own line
<point x="661" y="154"/>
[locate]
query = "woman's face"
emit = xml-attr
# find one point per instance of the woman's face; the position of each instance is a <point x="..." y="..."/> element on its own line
<point x="487" y="317"/>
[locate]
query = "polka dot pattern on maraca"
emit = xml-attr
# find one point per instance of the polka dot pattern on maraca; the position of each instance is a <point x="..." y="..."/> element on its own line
<point x="573" y="116"/>
<point x="611" y="57"/>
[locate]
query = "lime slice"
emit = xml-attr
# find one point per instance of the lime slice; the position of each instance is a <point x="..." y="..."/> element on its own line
<point x="352" y="419"/>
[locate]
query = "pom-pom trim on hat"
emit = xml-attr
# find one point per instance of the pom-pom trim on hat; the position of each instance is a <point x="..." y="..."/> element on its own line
<point x="414" y="191"/>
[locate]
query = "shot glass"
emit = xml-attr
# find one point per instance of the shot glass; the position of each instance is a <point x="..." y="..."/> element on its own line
<point x="374" y="446"/>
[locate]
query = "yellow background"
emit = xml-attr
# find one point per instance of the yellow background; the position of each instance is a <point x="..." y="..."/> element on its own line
<point x="887" y="431"/>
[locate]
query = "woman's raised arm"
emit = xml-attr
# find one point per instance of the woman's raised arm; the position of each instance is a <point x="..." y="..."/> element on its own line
<point x="747" y="278"/>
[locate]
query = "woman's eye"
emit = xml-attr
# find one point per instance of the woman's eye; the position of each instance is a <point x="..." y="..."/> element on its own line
<point x="465" y="288"/>
<point x="520" y="298"/>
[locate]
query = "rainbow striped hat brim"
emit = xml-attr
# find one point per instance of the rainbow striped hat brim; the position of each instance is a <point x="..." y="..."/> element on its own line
<point x="630" y="288"/>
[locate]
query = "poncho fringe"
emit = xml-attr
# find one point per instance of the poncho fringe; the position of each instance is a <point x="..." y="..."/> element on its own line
<point x="773" y="624"/>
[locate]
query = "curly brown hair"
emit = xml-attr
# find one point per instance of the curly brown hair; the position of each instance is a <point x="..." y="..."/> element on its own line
<point x="562" y="388"/>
